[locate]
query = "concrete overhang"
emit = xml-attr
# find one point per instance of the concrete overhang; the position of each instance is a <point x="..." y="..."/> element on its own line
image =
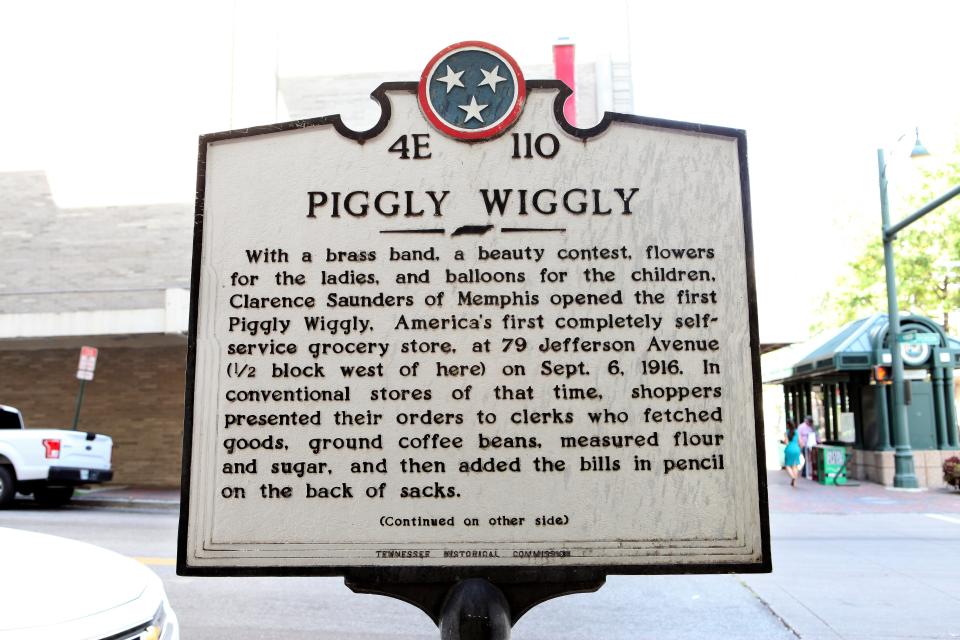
<point x="159" y="326"/>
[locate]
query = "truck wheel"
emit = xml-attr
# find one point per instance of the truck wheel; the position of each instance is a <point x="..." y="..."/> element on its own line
<point x="7" y="488"/>
<point x="53" y="496"/>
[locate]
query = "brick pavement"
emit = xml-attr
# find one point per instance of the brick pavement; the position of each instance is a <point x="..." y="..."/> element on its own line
<point x="868" y="497"/>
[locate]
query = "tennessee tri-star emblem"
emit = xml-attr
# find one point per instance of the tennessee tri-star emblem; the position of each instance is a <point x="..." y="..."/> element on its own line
<point x="472" y="91"/>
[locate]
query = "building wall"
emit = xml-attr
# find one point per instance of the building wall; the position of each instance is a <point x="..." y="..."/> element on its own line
<point x="878" y="466"/>
<point x="136" y="399"/>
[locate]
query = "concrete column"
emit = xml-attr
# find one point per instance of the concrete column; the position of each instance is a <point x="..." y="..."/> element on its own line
<point x="855" y="404"/>
<point x="951" y="408"/>
<point x="787" y="408"/>
<point x="939" y="410"/>
<point x="832" y="410"/>
<point x="828" y="425"/>
<point x="884" y="413"/>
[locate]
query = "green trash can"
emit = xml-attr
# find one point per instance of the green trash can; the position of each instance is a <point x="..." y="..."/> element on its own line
<point x="831" y="465"/>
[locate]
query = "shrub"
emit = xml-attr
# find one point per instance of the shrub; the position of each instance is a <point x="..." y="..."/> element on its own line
<point x="951" y="471"/>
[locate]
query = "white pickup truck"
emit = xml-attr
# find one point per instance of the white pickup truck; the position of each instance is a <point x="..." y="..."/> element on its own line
<point x="49" y="463"/>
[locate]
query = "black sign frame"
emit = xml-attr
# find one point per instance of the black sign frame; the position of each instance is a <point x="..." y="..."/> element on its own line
<point x="427" y="587"/>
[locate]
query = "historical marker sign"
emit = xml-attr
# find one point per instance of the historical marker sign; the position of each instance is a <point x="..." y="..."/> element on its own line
<point x="473" y="339"/>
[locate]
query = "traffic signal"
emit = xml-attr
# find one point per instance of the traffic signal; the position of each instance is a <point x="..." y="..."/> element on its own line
<point x="883" y="374"/>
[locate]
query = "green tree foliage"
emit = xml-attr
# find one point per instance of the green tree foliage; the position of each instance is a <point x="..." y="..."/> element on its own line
<point x="927" y="258"/>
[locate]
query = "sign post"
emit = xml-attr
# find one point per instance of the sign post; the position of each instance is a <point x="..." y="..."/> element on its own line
<point x="473" y="350"/>
<point x="85" y="369"/>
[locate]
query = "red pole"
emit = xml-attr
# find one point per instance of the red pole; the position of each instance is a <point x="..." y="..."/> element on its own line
<point x="564" y="70"/>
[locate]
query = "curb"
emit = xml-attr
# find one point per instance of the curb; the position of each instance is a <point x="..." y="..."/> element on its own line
<point x="126" y="503"/>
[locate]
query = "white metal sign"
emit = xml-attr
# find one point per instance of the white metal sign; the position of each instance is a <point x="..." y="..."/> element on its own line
<point x="87" y="364"/>
<point x="423" y="346"/>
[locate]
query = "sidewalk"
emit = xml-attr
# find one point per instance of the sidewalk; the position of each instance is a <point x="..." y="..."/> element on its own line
<point x="808" y="498"/>
<point x="812" y="498"/>
<point x="128" y="497"/>
<point x="865" y="562"/>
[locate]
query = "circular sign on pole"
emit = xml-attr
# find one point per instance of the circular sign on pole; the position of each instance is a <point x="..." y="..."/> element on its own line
<point x="472" y="91"/>
<point x="915" y="354"/>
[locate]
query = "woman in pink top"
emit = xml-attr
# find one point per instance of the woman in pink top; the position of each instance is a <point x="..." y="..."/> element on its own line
<point x="804" y="431"/>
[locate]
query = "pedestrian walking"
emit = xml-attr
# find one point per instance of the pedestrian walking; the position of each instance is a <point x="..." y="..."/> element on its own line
<point x="792" y="457"/>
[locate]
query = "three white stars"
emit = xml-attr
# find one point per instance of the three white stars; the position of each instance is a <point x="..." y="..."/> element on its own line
<point x="490" y="78"/>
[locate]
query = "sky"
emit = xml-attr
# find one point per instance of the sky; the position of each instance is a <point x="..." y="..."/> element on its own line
<point x="109" y="97"/>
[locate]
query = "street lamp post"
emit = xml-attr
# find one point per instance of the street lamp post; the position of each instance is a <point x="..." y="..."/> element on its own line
<point x="904" y="473"/>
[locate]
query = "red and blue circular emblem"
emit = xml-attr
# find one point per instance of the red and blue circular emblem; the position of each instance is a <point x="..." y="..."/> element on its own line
<point x="472" y="91"/>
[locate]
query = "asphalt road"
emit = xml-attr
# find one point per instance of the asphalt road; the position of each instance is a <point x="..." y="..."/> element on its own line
<point x="867" y="563"/>
<point x="322" y="608"/>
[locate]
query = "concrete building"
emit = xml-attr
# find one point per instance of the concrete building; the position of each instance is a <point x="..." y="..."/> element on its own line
<point x="116" y="278"/>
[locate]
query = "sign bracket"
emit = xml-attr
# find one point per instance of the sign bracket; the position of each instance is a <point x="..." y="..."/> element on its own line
<point x="433" y="596"/>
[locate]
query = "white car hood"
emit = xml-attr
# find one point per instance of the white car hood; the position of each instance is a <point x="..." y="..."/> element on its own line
<point x="47" y="580"/>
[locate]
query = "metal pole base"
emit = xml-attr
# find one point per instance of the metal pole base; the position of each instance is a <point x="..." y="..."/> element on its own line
<point x="76" y="413"/>
<point x="904" y="476"/>
<point x="475" y="609"/>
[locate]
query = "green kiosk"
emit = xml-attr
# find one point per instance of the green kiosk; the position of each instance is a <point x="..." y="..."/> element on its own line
<point x="841" y="379"/>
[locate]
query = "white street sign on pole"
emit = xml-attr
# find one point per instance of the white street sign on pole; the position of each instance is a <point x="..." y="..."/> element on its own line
<point x="87" y="364"/>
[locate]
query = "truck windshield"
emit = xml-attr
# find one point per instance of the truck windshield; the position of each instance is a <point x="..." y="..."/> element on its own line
<point x="9" y="419"/>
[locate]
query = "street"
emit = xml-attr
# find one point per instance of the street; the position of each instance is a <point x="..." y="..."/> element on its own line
<point x="849" y="562"/>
